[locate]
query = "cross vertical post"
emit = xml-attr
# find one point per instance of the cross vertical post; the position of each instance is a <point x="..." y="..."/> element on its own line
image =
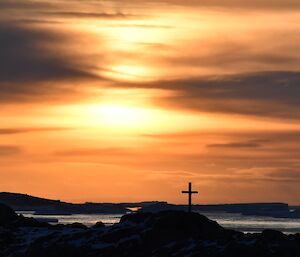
<point x="190" y="192"/>
<point x="190" y="197"/>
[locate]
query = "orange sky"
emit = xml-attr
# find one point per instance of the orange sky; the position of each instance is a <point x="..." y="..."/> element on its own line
<point x="130" y="100"/>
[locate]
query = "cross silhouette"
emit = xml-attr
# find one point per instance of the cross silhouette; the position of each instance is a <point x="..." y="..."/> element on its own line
<point x="190" y="192"/>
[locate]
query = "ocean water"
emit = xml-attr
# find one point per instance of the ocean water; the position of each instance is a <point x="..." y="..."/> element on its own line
<point x="253" y="224"/>
<point x="236" y="221"/>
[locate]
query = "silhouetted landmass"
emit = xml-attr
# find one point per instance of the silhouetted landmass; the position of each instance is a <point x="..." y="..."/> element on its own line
<point x="162" y="234"/>
<point x="278" y="210"/>
<point x="22" y="202"/>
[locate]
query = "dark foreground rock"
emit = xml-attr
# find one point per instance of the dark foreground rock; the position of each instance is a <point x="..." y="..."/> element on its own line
<point x="7" y="215"/>
<point x="164" y="234"/>
<point x="9" y="219"/>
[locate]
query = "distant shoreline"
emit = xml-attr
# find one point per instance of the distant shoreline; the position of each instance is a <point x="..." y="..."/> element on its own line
<point x="43" y="206"/>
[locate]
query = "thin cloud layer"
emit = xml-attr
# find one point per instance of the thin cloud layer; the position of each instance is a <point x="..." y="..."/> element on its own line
<point x="26" y="63"/>
<point x="91" y="15"/>
<point x="25" y="5"/>
<point x="7" y="150"/>
<point x="256" y="4"/>
<point x="39" y="60"/>
<point x="13" y="131"/>
<point x="112" y="152"/>
<point x="271" y="94"/>
<point x="248" y="144"/>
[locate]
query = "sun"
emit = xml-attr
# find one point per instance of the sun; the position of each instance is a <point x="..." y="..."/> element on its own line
<point x="114" y="114"/>
<point x="118" y="115"/>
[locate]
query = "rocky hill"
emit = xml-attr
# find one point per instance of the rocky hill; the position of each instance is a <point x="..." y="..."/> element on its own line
<point x="163" y="234"/>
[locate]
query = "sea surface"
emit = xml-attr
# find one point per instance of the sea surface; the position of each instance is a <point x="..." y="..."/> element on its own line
<point x="238" y="222"/>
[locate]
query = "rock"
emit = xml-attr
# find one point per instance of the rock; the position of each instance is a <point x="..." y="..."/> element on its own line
<point x="29" y="222"/>
<point x="272" y="235"/>
<point x="178" y="224"/>
<point x="99" y="224"/>
<point x="6" y="238"/>
<point x="139" y="217"/>
<point x="7" y="215"/>
<point x="77" y="225"/>
<point x="56" y="250"/>
<point x="115" y="234"/>
<point x="8" y="218"/>
<point x="163" y="234"/>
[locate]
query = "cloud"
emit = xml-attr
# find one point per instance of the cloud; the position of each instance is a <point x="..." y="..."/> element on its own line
<point x="24" y="57"/>
<point x="92" y="15"/>
<point x="25" y="5"/>
<point x="260" y="136"/>
<point x="148" y="26"/>
<point x="9" y="150"/>
<point x="256" y="4"/>
<point x="32" y="66"/>
<point x="39" y="59"/>
<point x="30" y="69"/>
<point x="95" y="151"/>
<point x="272" y="94"/>
<point x="285" y="174"/>
<point x="232" y="52"/>
<point x="248" y="144"/>
<point x="230" y="149"/>
<point x="11" y="131"/>
<point x="279" y="174"/>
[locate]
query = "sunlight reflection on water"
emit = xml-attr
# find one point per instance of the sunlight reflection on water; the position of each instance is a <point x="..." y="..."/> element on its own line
<point x="254" y="223"/>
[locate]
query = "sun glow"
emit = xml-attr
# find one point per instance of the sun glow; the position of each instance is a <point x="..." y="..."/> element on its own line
<point x="129" y="72"/>
<point x="118" y="115"/>
<point x="125" y="117"/>
<point x="112" y="117"/>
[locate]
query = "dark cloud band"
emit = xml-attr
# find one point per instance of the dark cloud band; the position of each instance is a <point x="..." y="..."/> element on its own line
<point x="6" y="150"/>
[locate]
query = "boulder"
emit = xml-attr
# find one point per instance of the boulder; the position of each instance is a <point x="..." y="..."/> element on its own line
<point x="8" y="218"/>
<point x="77" y="225"/>
<point x="139" y="217"/>
<point x="7" y="215"/>
<point x="178" y="224"/>
<point x="270" y="235"/>
<point x="29" y="222"/>
<point x="99" y="224"/>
